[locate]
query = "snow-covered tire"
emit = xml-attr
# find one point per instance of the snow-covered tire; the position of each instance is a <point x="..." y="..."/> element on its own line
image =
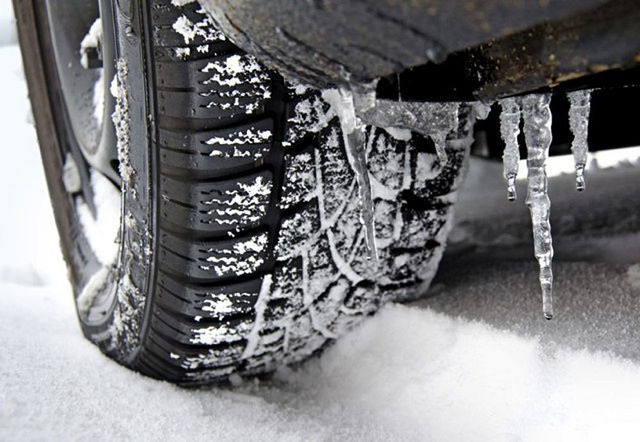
<point x="241" y="245"/>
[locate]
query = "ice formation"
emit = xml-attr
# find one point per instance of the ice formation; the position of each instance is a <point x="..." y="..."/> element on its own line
<point x="435" y="120"/>
<point x="509" y="130"/>
<point x="349" y="106"/>
<point x="537" y="131"/>
<point x="535" y="111"/>
<point x="438" y="120"/>
<point x="358" y="109"/>
<point x="580" y="106"/>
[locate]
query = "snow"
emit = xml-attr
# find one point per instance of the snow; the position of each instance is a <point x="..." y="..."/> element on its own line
<point x="92" y="289"/>
<point x="190" y="31"/>
<point x="90" y="41"/>
<point x="120" y="118"/>
<point x="253" y="337"/>
<point x="102" y="230"/>
<point x="27" y="241"/>
<point x="181" y="2"/>
<point x="475" y="361"/>
<point x="248" y="137"/>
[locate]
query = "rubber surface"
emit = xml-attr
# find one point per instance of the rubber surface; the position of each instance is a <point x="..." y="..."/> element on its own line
<point x="242" y="246"/>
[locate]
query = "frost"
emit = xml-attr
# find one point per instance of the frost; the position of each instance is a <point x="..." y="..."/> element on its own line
<point x="509" y="130"/>
<point x="537" y="131"/>
<point x="311" y="114"/>
<point x="580" y="106"/>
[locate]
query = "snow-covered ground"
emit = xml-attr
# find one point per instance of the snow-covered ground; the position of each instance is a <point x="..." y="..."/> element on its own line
<point x="474" y="361"/>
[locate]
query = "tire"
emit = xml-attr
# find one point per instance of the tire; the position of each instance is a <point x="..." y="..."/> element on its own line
<point x="240" y="244"/>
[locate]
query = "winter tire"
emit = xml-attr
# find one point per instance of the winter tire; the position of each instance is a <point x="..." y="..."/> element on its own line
<point x="238" y="241"/>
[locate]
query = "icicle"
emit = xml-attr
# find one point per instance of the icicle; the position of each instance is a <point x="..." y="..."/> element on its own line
<point x="347" y="105"/>
<point x="537" y="131"/>
<point x="481" y="110"/>
<point x="509" y="130"/>
<point x="435" y="120"/>
<point x="442" y="119"/>
<point x="580" y="106"/>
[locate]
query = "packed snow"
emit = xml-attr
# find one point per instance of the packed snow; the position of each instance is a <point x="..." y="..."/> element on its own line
<point x="471" y="362"/>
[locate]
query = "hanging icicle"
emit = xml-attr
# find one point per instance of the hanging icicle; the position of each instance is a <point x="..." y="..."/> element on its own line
<point x="509" y="130"/>
<point x="580" y="106"/>
<point x="537" y="131"/>
<point x="348" y="105"/>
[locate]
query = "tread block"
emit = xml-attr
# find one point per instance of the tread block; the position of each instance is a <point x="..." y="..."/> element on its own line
<point x="218" y="152"/>
<point x="214" y="106"/>
<point x="195" y="358"/>
<point x="337" y="176"/>
<point x="298" y="230"/>
<point x="208" y="302"/>
<point x="183" y="26"/>
<point x="225" y="206"/>
<point x="213" y="260"/>
<point x="300" y="179"/>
